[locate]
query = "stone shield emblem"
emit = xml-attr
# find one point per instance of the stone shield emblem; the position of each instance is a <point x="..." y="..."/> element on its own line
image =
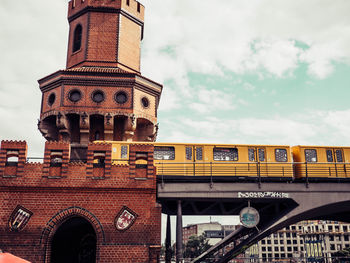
<point x="125" y="219"/>
<point x="19" y="218"/>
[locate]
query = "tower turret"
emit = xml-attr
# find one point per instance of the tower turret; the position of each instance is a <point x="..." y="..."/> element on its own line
<point x="101" y="95"/>
<point x="105" y="33"/>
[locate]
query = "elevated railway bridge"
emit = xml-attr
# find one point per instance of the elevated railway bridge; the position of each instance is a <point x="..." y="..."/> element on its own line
<point x="280" y="201"/>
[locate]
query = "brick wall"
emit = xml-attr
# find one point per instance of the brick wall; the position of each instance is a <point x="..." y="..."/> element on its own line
<point x="52" y="200"/>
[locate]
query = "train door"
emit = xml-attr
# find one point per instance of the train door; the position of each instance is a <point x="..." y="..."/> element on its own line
<point x="335" y="157"/>
<point x="257" y="165"/>
<point x="261" y="157"/>
<point x="189" y="169"/>
<point x="198" y="161"/>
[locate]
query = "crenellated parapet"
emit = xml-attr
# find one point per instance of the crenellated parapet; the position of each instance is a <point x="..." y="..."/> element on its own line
<point x="141" y="161"/>
<point x="56" y="159"/>
<point x="99" y="160"/>
<point x="132" y="7"/>
<point x="59" y="170"/>
<point x="13" y="155"/>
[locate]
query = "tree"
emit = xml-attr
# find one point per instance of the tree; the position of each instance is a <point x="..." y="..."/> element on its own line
<point x="341" y="256"/>
<point x="195" y="246"/>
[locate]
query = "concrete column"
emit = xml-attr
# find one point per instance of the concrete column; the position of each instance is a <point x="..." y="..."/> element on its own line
<point x="168" y="241"/>
<point x="179" y="248"/>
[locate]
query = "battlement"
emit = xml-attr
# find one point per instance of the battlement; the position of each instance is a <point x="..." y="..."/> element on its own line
<point x="132" y="7"/>
<point x="57" y="169"/>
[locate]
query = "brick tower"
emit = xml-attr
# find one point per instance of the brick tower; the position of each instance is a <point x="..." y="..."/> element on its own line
<point x="101" y="94"/>
<point x="78" y="205"/>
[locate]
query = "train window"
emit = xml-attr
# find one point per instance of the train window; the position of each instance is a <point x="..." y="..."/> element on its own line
<point x="310" y="155"/>
<point x="339" y="156"/>
<point x="261" y="155"/>
<point x="281" y="155"/>
<point x="329" y="154"/>
<point x="164" y="153"/>
<point x="251" y="154"/>
<point x="188" y="153"/>
<point x="124" y="152"/>
<point x="199" y="153"/>
<point x="225" y="154"/>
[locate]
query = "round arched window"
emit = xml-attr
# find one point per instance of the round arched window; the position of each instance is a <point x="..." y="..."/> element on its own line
<point x="98" y="96"/>
<point x="121" y="97"/>
<point x="74" y="95"/>
<point x="145" y="102"/>
<point x="52" y="98"/>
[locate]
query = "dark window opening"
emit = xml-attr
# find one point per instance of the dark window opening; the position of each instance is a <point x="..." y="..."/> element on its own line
<point x="121" y="97"/>
<point x="99" y="159"/>
<point x="77" y="38"/>
<point x="56" y="159"/>
<point x="281" y="155"/>
<point x="138" y="7"/>
<point x="98" y="96"/>
<point x="164" y="153"/>
<point x="225" y="154"/>
<point x="51" y="99"/>
<point x="74" y="95"/>
<point x="145" y="102"/>
<point x="128" y="2"/>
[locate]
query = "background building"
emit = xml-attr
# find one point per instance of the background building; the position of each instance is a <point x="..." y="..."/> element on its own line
<point x="304" y="241"/>
<point x="310" y="240"/>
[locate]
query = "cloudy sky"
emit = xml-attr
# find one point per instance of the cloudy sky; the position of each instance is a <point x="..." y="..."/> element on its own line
<point x="234" y="71"/>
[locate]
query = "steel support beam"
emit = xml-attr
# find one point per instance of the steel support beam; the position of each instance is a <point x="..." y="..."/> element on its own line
<point x="168" y="241"/>
<point x="179" y="249"/>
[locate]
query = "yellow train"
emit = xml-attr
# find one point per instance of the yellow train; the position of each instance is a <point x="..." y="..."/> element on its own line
<point x="226" y="162"/>
<point x="321" y="162"/>
<point x="243" y="162"/>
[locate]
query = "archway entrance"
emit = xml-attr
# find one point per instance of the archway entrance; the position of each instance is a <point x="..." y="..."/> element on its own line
<point x="74" y="242"/>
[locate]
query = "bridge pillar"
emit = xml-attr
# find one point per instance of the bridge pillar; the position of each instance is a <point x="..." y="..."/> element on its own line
<point x="168" y="241"/>
<point x="179" y="249"/>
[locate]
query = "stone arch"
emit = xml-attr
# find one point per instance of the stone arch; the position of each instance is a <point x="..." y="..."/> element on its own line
<point x="74" y="127"/>
<point x="48" y="127"/>
<point x="119" y="126"/>
<point x="144" y="130"/>
<point x="60" y="218"/>
<point x="97" y="128"/>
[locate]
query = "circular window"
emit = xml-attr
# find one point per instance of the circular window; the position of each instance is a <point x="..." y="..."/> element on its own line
<point x="51" y="99"/>
<point x="145" y="102"/>
<point x="121" y="97"/>
<point x="98" y="96"/>
<point x="74" y="95"/>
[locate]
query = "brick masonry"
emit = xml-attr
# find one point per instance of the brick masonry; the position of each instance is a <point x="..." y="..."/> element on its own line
<point x="76" y="191"/>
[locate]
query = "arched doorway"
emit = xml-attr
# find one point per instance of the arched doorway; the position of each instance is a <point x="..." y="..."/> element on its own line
<point x="74" y="242"/>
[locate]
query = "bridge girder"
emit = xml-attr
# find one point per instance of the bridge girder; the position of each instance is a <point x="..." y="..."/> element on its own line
<point x="279" y="204"/>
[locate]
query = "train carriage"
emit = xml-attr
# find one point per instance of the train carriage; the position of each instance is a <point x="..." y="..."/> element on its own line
<point x="321" y="162"/>
<point x="222" y="161"/>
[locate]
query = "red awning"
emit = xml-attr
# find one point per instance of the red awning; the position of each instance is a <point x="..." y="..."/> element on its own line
<point x="9" y="258"/>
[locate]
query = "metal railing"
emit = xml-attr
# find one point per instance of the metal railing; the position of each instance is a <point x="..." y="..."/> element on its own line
<point x="257" y="169"/>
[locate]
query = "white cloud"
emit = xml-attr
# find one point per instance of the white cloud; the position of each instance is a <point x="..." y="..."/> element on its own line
<point x="248" y="36"/>
<point x="213" y="100"/>
<point x="311" y="128"/>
